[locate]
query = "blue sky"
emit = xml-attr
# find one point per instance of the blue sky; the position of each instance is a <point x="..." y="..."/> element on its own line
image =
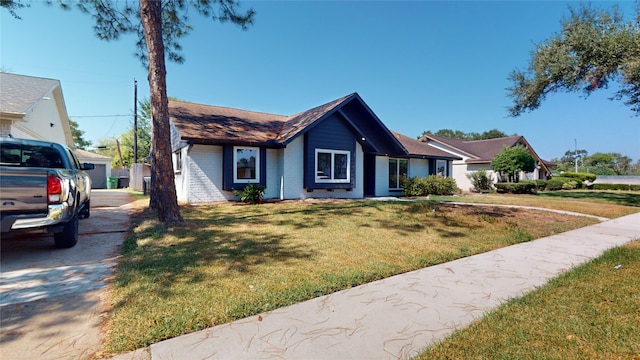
<point x="419" y="65"/>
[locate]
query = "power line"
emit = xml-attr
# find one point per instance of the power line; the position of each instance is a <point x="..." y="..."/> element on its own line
<point x="96" y="116"/>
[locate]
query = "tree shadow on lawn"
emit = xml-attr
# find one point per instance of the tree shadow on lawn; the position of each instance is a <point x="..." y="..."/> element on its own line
<point x="181" y="252"/>
<point x="170" y="254"/>
<point x="620" y="198"/>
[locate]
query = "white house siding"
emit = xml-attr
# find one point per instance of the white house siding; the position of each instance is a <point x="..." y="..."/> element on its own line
<point x="182" y="177"/>
<point x="204" y="178"/>
<point x="292" y="170"/>
<point x="418" y="168"/>
<point x="463" y="181"/>
<point x="38" y="120"/>
<point x="274" y="175"/>
<point x="382" y="176"/>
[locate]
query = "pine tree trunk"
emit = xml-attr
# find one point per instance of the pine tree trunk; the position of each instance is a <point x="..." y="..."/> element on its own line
<point x="163" y="189"/>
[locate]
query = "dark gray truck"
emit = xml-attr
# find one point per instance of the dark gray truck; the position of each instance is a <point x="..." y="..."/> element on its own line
<point x="43" y="186"/>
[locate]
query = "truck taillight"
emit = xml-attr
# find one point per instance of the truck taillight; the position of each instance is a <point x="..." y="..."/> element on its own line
<point x="54" y="189"/>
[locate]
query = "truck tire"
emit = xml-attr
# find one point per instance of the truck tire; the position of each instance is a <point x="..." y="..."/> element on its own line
<point x="86" y="211"/>
<point x="68" y="237"/>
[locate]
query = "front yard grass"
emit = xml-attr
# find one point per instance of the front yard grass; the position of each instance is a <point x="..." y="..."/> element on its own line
<point x="590" y="312"/>
<point x="227" y="262"/>
<point x="612" y="204"/>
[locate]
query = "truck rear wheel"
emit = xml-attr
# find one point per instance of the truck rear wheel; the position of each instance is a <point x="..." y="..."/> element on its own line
<point x="86" y="211"/>
<point x="68" y="237"/>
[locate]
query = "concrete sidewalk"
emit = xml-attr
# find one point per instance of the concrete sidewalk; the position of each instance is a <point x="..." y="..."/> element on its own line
<point x="396" y="317"/>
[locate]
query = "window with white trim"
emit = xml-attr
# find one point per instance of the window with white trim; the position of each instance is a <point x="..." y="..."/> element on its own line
<point x="246" y="162"/>
<point x="441" y="168"/>
<point x="333" y="166"/>
<point x="398" y="169"/>
<point x="177" y="161"/>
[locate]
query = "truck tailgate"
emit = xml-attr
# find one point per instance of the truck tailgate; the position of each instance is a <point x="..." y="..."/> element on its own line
<point x="23" y="190"/>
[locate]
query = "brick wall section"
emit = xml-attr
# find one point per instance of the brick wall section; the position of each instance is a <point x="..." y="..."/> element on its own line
<point x="205" y="175"/>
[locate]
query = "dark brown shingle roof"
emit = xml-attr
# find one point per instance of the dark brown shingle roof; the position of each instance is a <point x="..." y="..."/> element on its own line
<point x="415" y="147"/>
<point x="205" y="123"/>
<point x="215" y="124"/>
<point x="480" y="150"/>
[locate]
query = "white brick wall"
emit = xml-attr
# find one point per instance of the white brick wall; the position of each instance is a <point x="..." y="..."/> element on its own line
<point x="205" y="175"/>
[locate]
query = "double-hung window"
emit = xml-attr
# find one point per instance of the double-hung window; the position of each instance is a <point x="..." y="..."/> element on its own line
<point x="246" y="162"/>
<point x="333" y="166"/>
<point x="398" y="169"/>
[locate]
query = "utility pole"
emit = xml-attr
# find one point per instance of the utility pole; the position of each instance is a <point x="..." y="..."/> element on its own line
<point x="575" y="143"/>
<point x="135" y="121"/>
<point x="119" y="154"/>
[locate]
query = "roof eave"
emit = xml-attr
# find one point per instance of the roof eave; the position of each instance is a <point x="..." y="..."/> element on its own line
<point x="222" y="142"/>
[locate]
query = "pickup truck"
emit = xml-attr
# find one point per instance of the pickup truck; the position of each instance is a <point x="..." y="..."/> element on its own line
<point x="43" y="186"/>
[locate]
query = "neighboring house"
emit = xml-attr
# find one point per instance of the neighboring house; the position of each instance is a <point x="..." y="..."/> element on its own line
<point x="337" y="150"/>
<point x="102" y="168"/>
<point x="477" y="154"/>
<point x="33" y="108"/>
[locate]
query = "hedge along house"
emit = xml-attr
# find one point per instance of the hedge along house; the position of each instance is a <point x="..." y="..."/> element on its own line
<point x="337" y="150"/>
<point x="477" y="154"/>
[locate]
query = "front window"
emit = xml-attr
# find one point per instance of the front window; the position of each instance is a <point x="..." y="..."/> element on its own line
<point x="397" y="172"/>
<point x="247" y="164"/>
<point x="441" y="168"/>
<point x="332" y="166"/>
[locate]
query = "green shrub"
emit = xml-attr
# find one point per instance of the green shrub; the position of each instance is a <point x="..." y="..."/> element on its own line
<point x="522" y="187"/>
<point x="570" y="185"/>
<point x="480" y="181"/>
<point x="251" y="193"/>
<point x="558" y="183"/>
<point x="431" y="185"/>
<point x="580" y="177"/>
<point x="616" y="187"/>
<point x="540" y="184"/>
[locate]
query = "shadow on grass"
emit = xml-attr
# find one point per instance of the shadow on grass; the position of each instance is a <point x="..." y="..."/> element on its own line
<point x="164" y="255"/>
<point x="620" y="198"/>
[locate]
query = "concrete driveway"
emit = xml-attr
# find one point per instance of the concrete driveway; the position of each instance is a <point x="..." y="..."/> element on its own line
<point x="52" y="301"/>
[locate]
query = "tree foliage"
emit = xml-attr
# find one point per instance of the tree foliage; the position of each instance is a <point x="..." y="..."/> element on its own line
<point x="593" y="49"/>
<point x="158" y="27"/>
<point x="511" y="161"/>
<point x="457" y="134"/>
<point x="144" y="136"/>
<point x="12" y="6"/>
<point x="597" y="163"/>
<point x="78" y="136"/>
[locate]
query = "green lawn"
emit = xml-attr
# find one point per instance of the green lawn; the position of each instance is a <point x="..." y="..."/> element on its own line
<point x="227" y="262"/>
<point x="590" y="312"/>
<point x="612" y="203"/>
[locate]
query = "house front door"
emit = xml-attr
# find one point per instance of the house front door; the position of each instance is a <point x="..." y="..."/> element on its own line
<point x="369" y="175"/>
